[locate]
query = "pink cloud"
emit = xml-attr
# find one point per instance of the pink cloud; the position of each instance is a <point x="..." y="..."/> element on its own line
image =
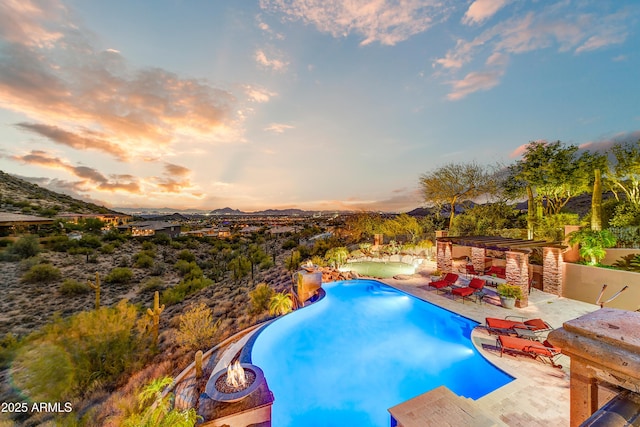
<point x="481" y="10"/>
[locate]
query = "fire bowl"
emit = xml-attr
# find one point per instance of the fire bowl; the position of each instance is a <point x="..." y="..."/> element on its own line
<point x="233" y="396"/>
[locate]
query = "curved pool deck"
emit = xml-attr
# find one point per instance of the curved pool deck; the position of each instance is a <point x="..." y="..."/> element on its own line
<point x="403" y="348"/>
<point x="539" y="395"/>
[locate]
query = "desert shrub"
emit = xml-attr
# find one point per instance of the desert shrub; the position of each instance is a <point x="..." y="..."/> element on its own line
<point x="61" y="243"/>
<point x="280" y="304"/>
<point x="196" y="328"/>
<point x="161" y="239"/>
<point x="157" y="269"/>
<point x="119" y="275"/>
<point x="113" y="236"/>
<point x="108" y="248"/>
<point x="45" y="273"/>
<point x="90" y="241"/>
<point x="176" y="245"/>
<point x="157" y="409"/>
<point x="259" y="298"/>
<point x="74" y="287"/>
<point x="143" y="261"/>
<point x="73" y="356"/>
<point x="25" y="247"/>
<point x="153" y="284"/>
<point x="5" y="242"/>
<point x="148" y="246"/>
<point x="8" y="346"/>
<point x="28" y="263"/>
<point x="184" y="267"/>
<point x="187" y="255"/>
<point x="180" y="291"/>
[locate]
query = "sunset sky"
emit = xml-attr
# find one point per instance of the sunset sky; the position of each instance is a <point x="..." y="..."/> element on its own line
<point x="314" y="104"/>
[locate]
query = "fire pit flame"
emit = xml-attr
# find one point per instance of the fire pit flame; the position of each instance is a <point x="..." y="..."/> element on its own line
<point x="236" y="376"/>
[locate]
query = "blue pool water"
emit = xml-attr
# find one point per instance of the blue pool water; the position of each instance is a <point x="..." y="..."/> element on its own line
<point x="362" y="349"/>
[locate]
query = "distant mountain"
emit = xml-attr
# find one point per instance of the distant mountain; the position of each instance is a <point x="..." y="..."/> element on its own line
<point x="227" y="211"/>
<point x="18" y="195"/>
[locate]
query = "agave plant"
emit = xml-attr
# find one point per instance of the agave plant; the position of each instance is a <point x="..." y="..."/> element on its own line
<point x="592" y="243"/>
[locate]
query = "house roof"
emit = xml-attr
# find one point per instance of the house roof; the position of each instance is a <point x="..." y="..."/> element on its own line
<point x="498" y="243"/>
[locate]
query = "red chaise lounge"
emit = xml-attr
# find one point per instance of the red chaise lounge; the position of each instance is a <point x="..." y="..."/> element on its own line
<point x="448" y="280"/>
<point x="474" y="286"/>
<point x="537" y="350"/>
<point x="510" y="327"/>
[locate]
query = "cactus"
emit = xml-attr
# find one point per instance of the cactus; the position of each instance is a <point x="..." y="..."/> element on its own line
<point x="198" y="363"/>
<point x="96" y="287"/>
<point x="155" y="315"/>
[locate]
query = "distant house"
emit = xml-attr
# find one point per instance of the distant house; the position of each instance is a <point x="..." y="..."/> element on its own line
<point x="202" y="232"/>
<point x="12" y="223"/>
<point x="224" y="232"/>
<point x="108" y="219"/>
<point x="151" y="228"/>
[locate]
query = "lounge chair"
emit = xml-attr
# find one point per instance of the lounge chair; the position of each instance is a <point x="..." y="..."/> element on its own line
<point x="448" y="280"/>
<point x="470" y="270"/>
<point x="500" y="272"/>
<point x="532" y="328"/>
<point x="537" y="350"/>
<point x="475" y="285"/>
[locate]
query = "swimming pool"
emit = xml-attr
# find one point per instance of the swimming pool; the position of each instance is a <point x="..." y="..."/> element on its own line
<point x="362" y="349"/>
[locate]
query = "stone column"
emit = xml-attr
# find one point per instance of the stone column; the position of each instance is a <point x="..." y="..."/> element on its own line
<point x="517" y="273"/>
<point x="443" y="260"/>
<point x="552" y="270"/>
<point x="477" y="259"/>
<point x="583" y="392"/>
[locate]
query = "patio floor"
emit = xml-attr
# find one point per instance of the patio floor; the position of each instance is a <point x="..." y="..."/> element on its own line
<point x="539" y="395"/>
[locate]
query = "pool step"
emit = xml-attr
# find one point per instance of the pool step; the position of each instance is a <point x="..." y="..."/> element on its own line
<point x="441" y="406"/>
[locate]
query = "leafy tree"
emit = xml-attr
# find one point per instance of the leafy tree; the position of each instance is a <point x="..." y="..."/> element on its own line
<point x="593" y="243"/>
<point x="625" y="174"/>
<point x="280" y="304"/>
<point x="260" y="297"/>
<point x="92" y="225"/>
<point x="363" y="225"/>
<point x="454" y="183"/>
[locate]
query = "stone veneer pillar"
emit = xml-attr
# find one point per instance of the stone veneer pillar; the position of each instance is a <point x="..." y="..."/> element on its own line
<point x="604" y="346"/>
<point x="443" y="254"/>
<point x="477" y="259"/>
<point x="552" y="270"/>
<point x="517" y="273"/>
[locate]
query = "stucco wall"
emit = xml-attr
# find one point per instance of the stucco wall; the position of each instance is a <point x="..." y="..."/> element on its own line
<point x="584" y="283"/>
<point x="614" y="254"/>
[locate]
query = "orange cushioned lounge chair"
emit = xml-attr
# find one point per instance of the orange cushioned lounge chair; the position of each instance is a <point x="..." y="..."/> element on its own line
<point x="475" y="285"/>
<point x="508" y="326"/>
<point x="449" y="279"/>
<point x="537" y="350"/>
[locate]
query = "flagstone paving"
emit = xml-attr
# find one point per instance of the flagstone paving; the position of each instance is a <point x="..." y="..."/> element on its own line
<point x="539" y="395"/>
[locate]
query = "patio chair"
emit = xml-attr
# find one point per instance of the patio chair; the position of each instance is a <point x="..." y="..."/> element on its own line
<point x="498" y="271"/>
<point x="536" y="350"/>
<point x="448" y="280"/>
<point x="532" y="328"/>
<point x="475" y="285"/>
<point x="470" y="270"/>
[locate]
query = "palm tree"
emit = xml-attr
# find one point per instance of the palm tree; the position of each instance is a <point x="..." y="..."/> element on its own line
<point x="593" y="243"/>
<point x="280" y="304"/>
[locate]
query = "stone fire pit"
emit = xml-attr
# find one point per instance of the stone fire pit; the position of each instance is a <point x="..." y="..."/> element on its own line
<point x="234" y="383"/>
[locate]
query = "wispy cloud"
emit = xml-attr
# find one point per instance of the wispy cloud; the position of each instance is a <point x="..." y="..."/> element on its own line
<point x="85" y="97"/>
<point x="90" y="178"/>
<point x="258" y="94"/>
<point x="562" y="25"/>
<point x="481" y="10"/>
<point x="272" y="63"/>
<point x="278" y="127"/>
<point x="385" y="21"/>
